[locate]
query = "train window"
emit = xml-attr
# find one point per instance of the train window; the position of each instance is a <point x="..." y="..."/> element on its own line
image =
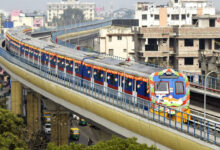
<point x="126" y="83"/>
<point x="161" y="87"/>
<point x="112" y="79"/>
<point x="77" y="67"/>
<point x="179" y="86"/>
<point x="98" y="75"/>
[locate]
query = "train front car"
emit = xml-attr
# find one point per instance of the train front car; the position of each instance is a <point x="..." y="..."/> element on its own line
<point x="171" y="89"/>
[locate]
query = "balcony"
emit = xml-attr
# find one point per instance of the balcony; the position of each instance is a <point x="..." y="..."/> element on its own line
<point x="151" y="47"/>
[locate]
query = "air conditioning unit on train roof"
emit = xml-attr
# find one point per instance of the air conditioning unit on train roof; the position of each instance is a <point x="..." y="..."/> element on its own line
<point x="126" y="63"/>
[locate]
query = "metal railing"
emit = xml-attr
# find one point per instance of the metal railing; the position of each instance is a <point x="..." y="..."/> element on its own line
<point x="197" y="127"/>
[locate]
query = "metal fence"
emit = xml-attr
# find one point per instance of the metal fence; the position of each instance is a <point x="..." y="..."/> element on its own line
<point x="198" y="127"/>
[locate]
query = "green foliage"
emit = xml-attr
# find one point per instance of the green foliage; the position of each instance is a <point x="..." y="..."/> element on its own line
<point x="69" y="16"/>
<point x="11" y="131"/>
<point x="10" y="123"/>
<point x="115" y="143"/>
<point x="11" y="141"/>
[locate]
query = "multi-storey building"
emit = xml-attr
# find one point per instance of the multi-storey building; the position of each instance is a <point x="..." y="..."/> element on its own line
<point x="192" y="48"/>
<point x="117" y="41"/>
<point x="56" y="9"/>
<point x="176" y="13"/>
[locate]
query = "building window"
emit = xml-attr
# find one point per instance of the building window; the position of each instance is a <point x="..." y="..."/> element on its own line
<point x="151" y="15"/>
<point x="188" y="61"/>
<point x="164" y="41"/>
<point x="125" y="50"/>
<point x="175" y="17"/>
<point x="144" y="17"/>
<point x="188" y="42"/>
<point x="111" y="52"/>
<point x="119" y="37"/>
<point x="183" y="17"/>
<point x="110" y="38"/>
<point x="168" y="15"/>
<point x="133" y="38"/>
<point x="156" y="17"/>
<point x="176" y="1"/>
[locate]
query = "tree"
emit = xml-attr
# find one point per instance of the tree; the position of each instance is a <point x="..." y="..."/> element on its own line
<point x="11" y="131"/>
<point x="115" y="143"/>
<point x="69" y="16"/>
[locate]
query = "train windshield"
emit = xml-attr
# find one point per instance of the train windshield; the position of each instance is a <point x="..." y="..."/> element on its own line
<point x="179" y="88"/>
<point x="161" y="87"/>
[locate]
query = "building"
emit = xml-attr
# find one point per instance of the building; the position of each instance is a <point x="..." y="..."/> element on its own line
<point x="194" y="48"/>
<point x="1" y="23"/>
<point x="209" y="51"/>
<point x="30" y="19"/>
<point x="56" y="9"/>
<point x="117" y="41"/>
<point x="176" y="13"/>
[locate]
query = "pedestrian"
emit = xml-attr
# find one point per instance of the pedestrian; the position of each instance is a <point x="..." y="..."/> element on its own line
<point x="89" y="142"/>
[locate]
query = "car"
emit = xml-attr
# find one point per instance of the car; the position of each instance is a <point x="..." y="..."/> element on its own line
<point x="75" y="117"/>
<point x="47" y="128"/>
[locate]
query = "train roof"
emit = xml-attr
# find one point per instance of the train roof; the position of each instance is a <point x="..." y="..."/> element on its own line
<point x="131" y="67"/>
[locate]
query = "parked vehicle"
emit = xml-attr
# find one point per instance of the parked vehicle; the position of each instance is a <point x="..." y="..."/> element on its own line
<point x="47" y="128"/>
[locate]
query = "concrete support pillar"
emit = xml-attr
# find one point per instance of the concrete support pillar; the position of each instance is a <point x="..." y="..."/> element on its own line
<point x="59" y="128"/>
<point x="16" y="97"/>
<point x="213" y="44"/>
<point x="33" y="112"/>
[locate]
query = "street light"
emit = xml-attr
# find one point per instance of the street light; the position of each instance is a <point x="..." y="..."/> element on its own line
<point x="205" y="91"/>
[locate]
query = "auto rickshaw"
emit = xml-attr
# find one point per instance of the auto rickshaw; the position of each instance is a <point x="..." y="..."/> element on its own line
<point x="82" y="122"/>
<point x="74" y="133"/>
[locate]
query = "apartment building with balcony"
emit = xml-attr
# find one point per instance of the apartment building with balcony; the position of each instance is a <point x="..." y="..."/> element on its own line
<point x="194" y="48"/>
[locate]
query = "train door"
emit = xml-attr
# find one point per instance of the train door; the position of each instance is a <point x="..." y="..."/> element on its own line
<point x="53" y="64"/>
<point x="61" y="67"/>
<point x="86" y="72"/>
<point x="99" y="77"/>
<point x="113" y="80"/>
<point x="31" y="55"/>
<point x="69" y="70"/>
<point x="142" y="90"/>
<point x="26" y="52"/>
<point x="127" y="85"/>
<point x="44" y="61"/>
<point x="78" y="70"/>
<point x="22" y="50"/>
<point x="36" y="53"/>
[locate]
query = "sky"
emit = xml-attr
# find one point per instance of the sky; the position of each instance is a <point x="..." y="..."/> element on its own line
<point x="29" y="5"/>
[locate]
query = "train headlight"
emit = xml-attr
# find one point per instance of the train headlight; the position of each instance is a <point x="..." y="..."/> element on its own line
<point x="116" y="79"/>
<point x="101" y="75"/>
<point x="129" y="84"/>
<point x="95" y="73"/>
<point x="108" y="77"/>
<point x="138" y="86"/>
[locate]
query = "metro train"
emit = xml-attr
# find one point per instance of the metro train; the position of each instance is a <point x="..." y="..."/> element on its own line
<point x="167" y="87"/>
